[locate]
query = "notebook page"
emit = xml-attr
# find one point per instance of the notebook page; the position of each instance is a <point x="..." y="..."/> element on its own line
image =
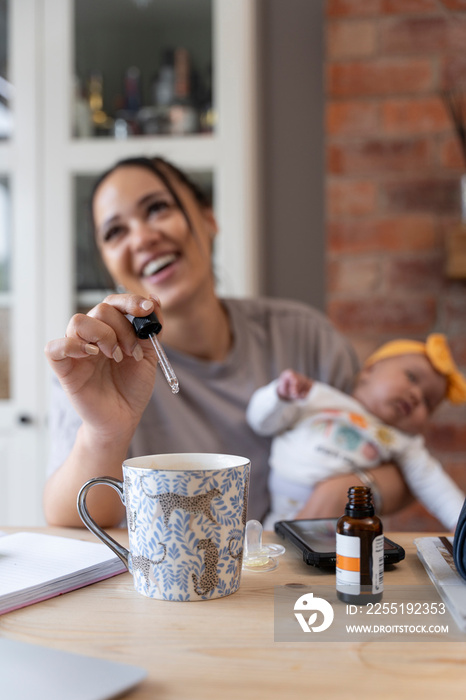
<point x="31" y="559"/>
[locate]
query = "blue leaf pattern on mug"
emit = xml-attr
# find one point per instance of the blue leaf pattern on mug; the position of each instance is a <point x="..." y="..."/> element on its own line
<point x="223" y="588"/>
<point x="187" y="531"/>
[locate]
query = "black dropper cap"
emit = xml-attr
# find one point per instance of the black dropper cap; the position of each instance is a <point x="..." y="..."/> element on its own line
<point x="146" y="326"/>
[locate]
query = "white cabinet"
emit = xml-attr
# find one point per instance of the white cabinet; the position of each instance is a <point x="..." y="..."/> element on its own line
<point x="43" y="168"/>
<point x="22" y="366"/>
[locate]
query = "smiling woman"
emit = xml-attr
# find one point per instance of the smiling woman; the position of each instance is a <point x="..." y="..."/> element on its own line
<point x="155" y="230"/>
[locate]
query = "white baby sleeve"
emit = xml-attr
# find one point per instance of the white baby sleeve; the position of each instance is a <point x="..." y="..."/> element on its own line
<point x="431" y="484"/>
<point x="268" y="414"/>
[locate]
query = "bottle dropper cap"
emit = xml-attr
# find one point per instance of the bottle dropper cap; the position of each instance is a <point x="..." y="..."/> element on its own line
<point x="145" y="326"/>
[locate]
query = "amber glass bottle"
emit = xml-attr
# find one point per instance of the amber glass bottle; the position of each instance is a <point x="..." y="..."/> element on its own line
<point x="359" y="548"/>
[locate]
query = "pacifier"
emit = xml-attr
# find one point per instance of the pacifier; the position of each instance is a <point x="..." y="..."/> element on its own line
<point x="258" y="556"/>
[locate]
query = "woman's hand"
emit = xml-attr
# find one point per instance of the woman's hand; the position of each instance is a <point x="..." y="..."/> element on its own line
<point x="106" y="371"/>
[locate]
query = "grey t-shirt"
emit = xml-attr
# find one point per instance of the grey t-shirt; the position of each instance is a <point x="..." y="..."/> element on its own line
<point x="209" y="413"/>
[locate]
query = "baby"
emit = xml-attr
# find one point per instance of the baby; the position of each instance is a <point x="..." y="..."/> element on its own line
<point x="319" y="431"/>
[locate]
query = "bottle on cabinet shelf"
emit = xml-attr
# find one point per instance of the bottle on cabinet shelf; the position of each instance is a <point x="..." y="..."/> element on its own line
<point x="123" y="126"/>
<point x="207" y="117"/>
<point x="128" y="105"/>
<point x="163" y="85"/>
<point x="82" y="116"/>
<point x="155" y="118"/>
<point x="133" y="97"/>
<point x="183" y="114"/>
<point x="174" y="110"/>
<point x="102" y="123"/>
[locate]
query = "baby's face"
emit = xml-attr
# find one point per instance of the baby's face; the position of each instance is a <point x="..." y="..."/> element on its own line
<point x="401" y="391"/>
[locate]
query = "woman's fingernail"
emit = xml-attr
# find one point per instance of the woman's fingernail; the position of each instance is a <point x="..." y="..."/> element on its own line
<point x="137" y="352"/>
<point x="117" y="354"/>
<point x="91" y="349"/>
<point x="146" y="305"/>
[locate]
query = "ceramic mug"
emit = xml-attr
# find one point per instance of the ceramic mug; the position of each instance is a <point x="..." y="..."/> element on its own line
<point x="186" y="516"/>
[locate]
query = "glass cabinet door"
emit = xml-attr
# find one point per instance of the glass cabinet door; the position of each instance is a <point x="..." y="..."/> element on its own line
<point x="5" y="220"/>
<point x="142" y="68"/>
<point x="5" y="274"/>
<point x="5" y="255"/>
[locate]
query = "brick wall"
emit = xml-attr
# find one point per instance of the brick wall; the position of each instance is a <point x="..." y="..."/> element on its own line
<point x="393" y="169"/>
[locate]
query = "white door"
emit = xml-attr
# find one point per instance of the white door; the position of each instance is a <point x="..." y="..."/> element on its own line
<point x="21" y="352"/>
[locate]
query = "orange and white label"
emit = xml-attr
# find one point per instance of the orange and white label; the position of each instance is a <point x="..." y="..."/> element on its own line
<point x="348" y="565"/>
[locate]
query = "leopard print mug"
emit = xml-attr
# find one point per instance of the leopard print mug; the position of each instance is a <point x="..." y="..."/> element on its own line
<point x="186" y="515"/>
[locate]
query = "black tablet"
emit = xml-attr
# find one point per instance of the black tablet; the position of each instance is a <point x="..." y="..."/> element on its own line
<point x="316" y="540"/>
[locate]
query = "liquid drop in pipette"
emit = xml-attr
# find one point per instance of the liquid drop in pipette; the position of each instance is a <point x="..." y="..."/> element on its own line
<point x="148" y="327"/>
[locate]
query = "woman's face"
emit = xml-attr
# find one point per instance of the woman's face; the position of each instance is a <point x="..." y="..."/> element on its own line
<point x="145" y="240"/>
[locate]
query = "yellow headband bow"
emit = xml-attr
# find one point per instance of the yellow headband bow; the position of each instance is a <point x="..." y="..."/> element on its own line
<point x="437" y="351"/>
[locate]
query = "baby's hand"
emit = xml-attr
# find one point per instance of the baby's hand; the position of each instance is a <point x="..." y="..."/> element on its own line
<point x="292" y="385"/>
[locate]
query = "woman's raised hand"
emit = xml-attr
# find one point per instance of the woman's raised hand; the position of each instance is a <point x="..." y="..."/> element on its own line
<point x="106" y="371"/>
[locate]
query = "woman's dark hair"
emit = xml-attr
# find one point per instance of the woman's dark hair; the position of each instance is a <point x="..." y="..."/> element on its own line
<point x="162" y="169"/>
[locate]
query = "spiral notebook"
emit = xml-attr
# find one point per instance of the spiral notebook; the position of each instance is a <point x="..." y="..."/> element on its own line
<point x="35" y="567"/>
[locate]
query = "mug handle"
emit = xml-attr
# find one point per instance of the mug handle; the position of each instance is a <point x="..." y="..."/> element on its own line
<point x="90" y="523"/>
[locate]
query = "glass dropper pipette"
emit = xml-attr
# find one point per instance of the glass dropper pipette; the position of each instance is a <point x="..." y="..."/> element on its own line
<point x="148" y="327"/>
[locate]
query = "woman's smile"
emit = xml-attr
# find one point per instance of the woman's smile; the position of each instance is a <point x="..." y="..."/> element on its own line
<point x="157" y="264"/>
<point x="159" y="268"/>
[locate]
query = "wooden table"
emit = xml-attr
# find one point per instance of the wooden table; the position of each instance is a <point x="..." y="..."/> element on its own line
<point x="225" y="648"/>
